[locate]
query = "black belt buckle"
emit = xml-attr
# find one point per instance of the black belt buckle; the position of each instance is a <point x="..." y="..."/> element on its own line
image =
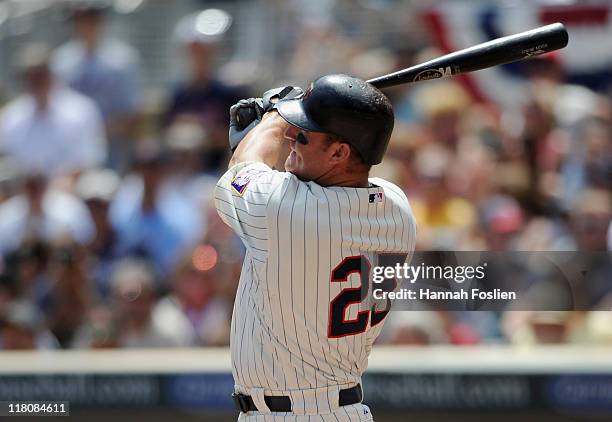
<point x="241" y="401"/>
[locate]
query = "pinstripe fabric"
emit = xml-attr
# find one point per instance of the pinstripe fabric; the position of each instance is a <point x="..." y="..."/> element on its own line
<point x="296" y="233"/>
<point x="354" y="413"/>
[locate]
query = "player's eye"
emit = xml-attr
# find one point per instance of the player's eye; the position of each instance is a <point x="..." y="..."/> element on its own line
<point x="301" y="138"/>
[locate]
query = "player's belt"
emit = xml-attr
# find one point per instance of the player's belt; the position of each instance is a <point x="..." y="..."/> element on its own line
<point x="245" y="403"/>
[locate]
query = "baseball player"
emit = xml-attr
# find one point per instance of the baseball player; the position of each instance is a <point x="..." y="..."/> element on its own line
<point x="297" y="193"/>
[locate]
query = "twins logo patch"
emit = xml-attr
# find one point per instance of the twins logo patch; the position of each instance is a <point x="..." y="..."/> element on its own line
<point x="376" y="197"/>
<point x="241" y="182"/>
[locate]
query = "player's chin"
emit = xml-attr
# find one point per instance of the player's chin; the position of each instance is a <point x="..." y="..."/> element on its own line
<point x="293" y="168"/>
<point x="291" y="163"/>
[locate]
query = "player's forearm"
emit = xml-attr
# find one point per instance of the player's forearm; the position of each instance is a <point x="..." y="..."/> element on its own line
<point x="265" y="144"/>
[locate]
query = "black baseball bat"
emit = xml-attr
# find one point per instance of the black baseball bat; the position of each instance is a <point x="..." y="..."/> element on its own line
<point x="492" y="53"/>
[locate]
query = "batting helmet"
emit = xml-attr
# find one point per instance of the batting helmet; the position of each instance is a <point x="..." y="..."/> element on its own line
<point x="347" y="107"/>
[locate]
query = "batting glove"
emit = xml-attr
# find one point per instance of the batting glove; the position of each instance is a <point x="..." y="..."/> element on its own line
<point x="246" y="114"/>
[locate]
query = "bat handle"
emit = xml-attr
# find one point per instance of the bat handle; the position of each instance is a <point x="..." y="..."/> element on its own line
<point x="245" y="116"/>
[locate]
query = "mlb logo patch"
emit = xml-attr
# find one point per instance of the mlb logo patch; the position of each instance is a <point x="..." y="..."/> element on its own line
<point x="242" y="180"/>
<point x="376" y="197"/>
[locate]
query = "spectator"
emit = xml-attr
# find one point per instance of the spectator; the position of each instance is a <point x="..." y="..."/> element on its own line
<point x="203" y="98"/>
<point x="152" y="222"/>
<point x="587" y="161"/>
<point x="100" y="330"/>
<point x="444" y="219"/>
<point x="538" y="327"/>
<point x="131" y="324"/>
<point x="592" y="328"/>
<point x="134" y="298"/>
<point x="42" y="213"/>
<point x="71" y="294"/>
<point x="185" y="143"/>
<point x="440" y="107"/>
<point x="107" y="71"/>
<point x="22" y="328"/>
<point x="415" y="328"/>
<point x="194" y="311"/>
<point x="308" y="59"/>
<point x="50" y="129"/>
<point x="26" y="274"/>
<point x="97" y="189"/>
<point x="502" y="220"/>
<point x="590" y="219"/>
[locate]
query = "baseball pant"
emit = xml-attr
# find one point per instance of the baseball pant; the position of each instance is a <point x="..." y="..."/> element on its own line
<point x="358" y="412"/>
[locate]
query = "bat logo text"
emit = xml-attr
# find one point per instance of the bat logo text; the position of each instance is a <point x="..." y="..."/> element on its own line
<point x="534" y="51"/>
<point x="441" y="72"/>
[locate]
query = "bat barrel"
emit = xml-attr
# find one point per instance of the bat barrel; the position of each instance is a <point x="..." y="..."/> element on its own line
<point x="499" y="51"/>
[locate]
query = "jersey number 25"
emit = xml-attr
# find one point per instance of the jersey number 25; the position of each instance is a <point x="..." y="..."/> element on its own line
<point x="338" y="325"/>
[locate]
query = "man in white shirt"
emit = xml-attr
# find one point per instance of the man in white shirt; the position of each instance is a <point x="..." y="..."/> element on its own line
<point x="50" y="129"/>
<point x="43" y="213"/>
<point x="106" y="70"/>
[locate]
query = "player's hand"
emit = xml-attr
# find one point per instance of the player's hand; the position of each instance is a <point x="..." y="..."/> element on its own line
<point x="246" y="114"/>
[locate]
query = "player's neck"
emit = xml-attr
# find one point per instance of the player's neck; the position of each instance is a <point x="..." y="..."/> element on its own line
<point x="349" y="180"/>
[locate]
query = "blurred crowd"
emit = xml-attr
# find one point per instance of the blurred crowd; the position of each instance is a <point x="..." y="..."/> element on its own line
<point x="109" y="237"/>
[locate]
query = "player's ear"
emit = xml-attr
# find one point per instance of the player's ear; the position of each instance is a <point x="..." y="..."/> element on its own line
<point x="341" y="152"/>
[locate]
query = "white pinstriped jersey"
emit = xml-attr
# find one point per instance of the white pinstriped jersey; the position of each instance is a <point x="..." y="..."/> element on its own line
<point x="303" y="325"/>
